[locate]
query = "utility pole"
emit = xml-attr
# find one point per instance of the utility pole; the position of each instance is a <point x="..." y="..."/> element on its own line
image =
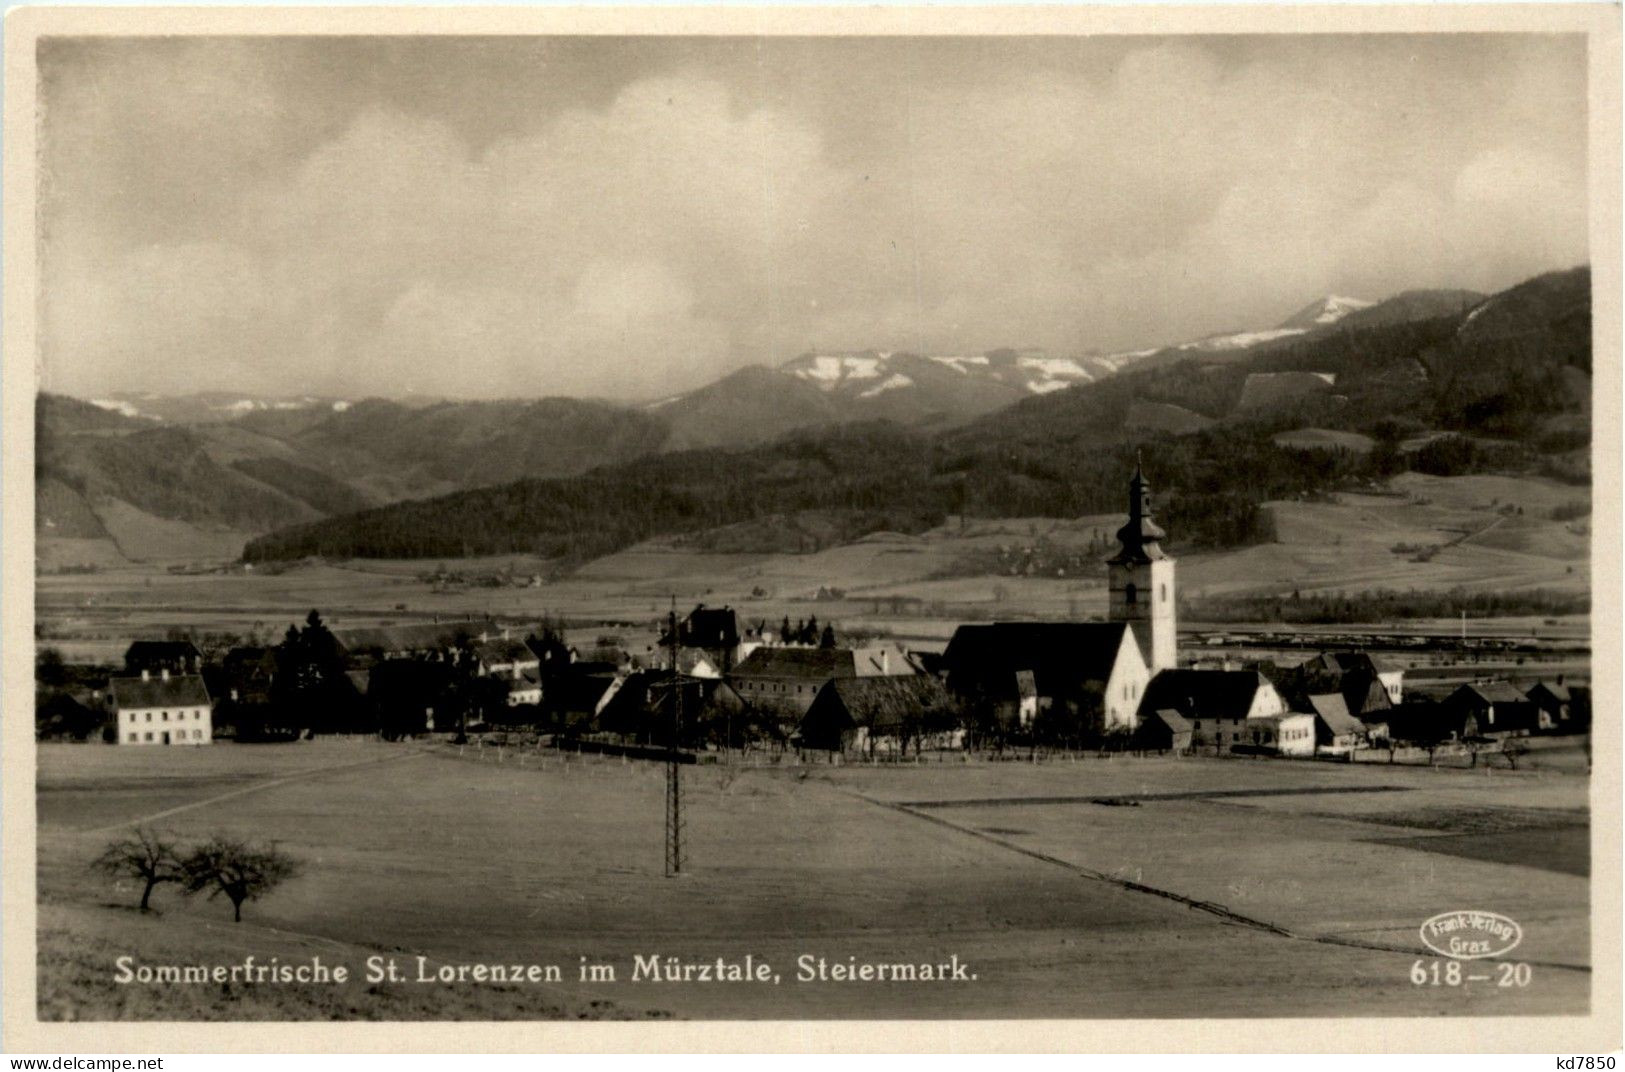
<point x="674" y="777"/>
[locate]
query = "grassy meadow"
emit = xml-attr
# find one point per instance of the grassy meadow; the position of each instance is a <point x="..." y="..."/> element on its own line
<point x="1302" y="901"/>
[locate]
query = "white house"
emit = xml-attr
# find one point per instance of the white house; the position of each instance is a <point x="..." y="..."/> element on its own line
<point x="162" y="709"/>
<point x="1220" y="705"/>
<point x="1290" y="734"/>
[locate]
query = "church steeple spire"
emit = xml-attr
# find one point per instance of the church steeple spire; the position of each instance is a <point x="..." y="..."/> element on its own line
<point x="1137" y="540"/>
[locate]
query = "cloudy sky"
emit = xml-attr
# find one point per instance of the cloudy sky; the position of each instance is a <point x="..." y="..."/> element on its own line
<point x="631" y="217"/>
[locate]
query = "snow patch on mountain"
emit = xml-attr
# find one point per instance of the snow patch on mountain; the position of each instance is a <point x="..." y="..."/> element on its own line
<point x="890" y="383"/>
<point x="961" y="363"/>
<point x="827" y="371"/>
<point x="117" y="405"/>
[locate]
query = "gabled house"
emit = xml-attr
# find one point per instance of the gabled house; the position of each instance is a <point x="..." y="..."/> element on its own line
<point x="502" y="657"/>
<point x="1217" y="703"/>
<point x="880" y="716"/>
<point x="711" y="632"/>
<point x="1491" y="708"/>
<point x="788" y="678"/>
<point x="1553" y="702"/>
<point x="1017" y="670"/>
<point x="642" y="708"/>
<point x="152" y="656"/>
<point x="1338" y="665"/>
<point x="1163" y="731"/>
<point x="161" y="708"/>
<point x="1290" y="734"/>
<point x="1336" y="729"/>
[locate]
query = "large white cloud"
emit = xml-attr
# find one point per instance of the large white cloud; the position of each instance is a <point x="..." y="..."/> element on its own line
<point x="695" y="219"/>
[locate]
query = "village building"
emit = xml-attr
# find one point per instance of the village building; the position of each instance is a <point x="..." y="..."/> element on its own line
<point x="1162" y="731"/>
<point x="574" y="699"/>
<point x="152" y="656"/>
<point x="708" y="637"/>
<point x="246" y="675"/>
<point x="880" y="716"/>
<point x="1016" y="671"/>
<point x="1335" y="728"/>
<point x="503" y="657"/>
<point x="161" y="708"/>
<point x="788" y="678"/>
<point x="1141" y="580"/>
<point x="1553" y="703"/>
<point x="1217" y="703"/>
<point x="642" y="708"/>
<point x="1420" y="721"/>
<point x="1289" y="734"/>
<point x="1492" y="708"/>
<point x="1352" y="673"/>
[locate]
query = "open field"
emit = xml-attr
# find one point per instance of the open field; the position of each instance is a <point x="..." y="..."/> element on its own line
<point x="1302" y="901"/>
<point x="1470" y="528"/>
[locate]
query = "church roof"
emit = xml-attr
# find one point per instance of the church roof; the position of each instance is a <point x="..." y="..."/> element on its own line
<point x="1060" y="655"/>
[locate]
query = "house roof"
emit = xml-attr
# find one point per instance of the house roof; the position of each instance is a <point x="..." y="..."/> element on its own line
<point x="577" y="692"/>
<point x="883" y="704"/>
<point x="1176" y="722"/>
<point x="158" y="650"/>
<point x="1205" y="693"/>
<point x="1333" y="712"/>
<point x="709" y="627"/>
<point x="1345" y="662"/>
<point x="1494" y="692"/>
<point x="179" y="690"/>
<point x="501" y="650"/>
<point x="802" y="664"/>
<point x="1555" y="691"/>
<point x="1061" y="655"/>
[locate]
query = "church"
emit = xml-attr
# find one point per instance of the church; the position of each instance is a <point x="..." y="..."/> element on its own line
<point x="1098" y="671"/>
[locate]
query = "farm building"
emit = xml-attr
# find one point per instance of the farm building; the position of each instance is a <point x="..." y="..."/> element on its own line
<point x="880" y="715"/>
<point x="1291" y="734"/>
<point x="503" y="657"/>
<point x="575" y="698"/>
<point x="1336" y="730"/>
<point x="246" y="675"/>
<point x="162" y="708"/>
<point x="1553" y="702"/>
<point x="1420" y="721"/>
<point x="708" y="636"/>
<point x="1017" y="670"/>
<point x="790" y="677"/>
<point x="641" y="708"/>
<point x="1163" y="731"/>
<point x="525" y="687"/>
<point x="413" y="696"/>
<point x="1217" y="703"/>
<point x="1491" y="708"/>
<point x="152" y="656"/>
<point x="1368" y="688"/>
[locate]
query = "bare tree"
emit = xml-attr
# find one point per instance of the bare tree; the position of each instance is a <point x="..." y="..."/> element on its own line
<point x="143" y="856"/>
<point x="240" y="870"/>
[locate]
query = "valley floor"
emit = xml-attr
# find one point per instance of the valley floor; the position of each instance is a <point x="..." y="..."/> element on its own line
<point x="1224" y="888"/>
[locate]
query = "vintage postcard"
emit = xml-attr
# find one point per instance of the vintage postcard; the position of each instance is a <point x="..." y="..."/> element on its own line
<point x="1052" y="528"/>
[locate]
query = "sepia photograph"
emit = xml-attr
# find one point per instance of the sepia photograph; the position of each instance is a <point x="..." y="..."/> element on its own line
<point x="812" y="521"/>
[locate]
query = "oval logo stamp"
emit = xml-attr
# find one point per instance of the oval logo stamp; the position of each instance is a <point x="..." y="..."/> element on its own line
<point x="1471" y="934"/>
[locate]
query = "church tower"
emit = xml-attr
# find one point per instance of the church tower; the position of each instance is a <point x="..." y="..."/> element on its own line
<point x="1142" y="580"/>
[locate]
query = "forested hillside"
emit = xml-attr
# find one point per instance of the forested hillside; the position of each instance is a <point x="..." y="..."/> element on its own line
<point x="1506" y="382"/>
